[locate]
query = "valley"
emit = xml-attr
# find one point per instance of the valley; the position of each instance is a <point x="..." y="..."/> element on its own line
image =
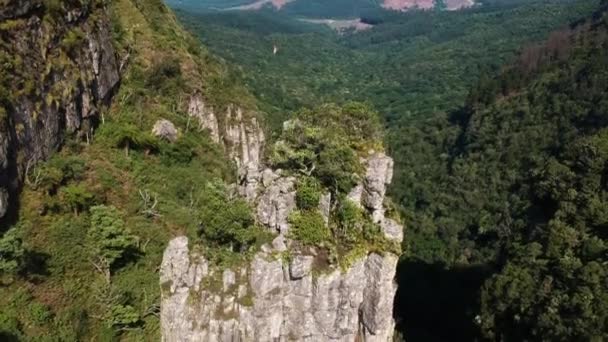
<point x="306" y="170"/>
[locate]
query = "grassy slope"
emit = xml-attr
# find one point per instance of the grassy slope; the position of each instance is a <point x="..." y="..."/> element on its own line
<point x="63" y="297"/>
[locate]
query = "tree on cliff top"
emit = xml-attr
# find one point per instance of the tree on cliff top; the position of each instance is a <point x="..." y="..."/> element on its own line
<point x="326" y="143"/>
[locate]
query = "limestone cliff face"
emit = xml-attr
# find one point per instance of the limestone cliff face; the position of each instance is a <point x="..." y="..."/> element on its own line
<point x="273" y="299"/>
<point x="241" y="135"/>
<point x="59" y="69"/>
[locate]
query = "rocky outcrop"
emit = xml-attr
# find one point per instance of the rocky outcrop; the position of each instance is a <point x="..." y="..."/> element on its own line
<point x="371" y="192"/>
<point x="241" y="135"/>
<point x="273" y="299"/>
<point x="205" y="115"/>
<point x="237" y="130"/>
<point x="62" y="75"/>
<point x="17" y="8"/>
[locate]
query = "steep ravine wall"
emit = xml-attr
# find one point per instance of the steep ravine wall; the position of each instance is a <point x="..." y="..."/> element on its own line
<point x="274" y="298"/>
<point x="59" y="68"/>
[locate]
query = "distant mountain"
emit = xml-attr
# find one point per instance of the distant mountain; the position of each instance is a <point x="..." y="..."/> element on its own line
<point x="320" y="8"/>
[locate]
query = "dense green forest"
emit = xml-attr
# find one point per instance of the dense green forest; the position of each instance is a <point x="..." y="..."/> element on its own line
<point x="497" y="117"/>
<point x="409" y="65"/>
<point x="499" y="159"/>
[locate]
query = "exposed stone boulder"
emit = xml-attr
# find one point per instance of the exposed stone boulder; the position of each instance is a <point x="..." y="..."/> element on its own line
<point x="249" y="179"/>
<point x="289" y="300"/>
<point x="228" y="279"/>
<point x="244" y="138"/>
<point x="278" y="244"/>
<point x="325" y="206"/>
<point x="392" y="229"/>
<point x="356" y="194"/>
<point x="241" y="135"/>
<point x="177" y="271"/>
<point x="165" y="129"/>
<point x="379" y="293"/>
<point x="378" y="176"/>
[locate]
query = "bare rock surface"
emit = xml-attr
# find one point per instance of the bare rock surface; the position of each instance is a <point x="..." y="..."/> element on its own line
<point x="165" y="129"/>
<point x="241" y="135"/>
<point x="288" y="300"/>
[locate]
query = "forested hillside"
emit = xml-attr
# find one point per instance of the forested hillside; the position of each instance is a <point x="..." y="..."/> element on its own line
<point x="498" y="201"/>
<point x="408" y="65"/>
<point x="519" y="186"/>
<point x="497" y="117"/>
<point x="80" y="249"/>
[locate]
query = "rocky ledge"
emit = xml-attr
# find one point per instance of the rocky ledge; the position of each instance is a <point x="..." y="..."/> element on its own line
<point x="278" y="298"/>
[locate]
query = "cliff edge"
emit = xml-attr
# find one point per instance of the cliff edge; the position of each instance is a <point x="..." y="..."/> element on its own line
<point x="293" y="288"/>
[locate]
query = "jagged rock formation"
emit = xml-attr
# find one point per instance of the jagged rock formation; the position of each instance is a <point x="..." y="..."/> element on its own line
<point x="273" y="299"/>
<point x="60" y="75"/>
<point x="241" y="135"/>
<point x="370" y="194"/>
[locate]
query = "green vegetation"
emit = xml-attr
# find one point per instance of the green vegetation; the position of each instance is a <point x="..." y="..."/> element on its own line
<point x="309" y="228"/>
<point x="72" y="39"/>
<point x="12" y="255"/>
<point x="128" y="137"/>
<point x="349" y="217"/>
<point x="81" y="261"/>
<point x="308" y="193"/>
<point x="109" y="240"/>
<point x="124" y="317"/>
<point x="498" y="168"/>
<point x="77" y="197"/>
<point x="228" y="222"/>
<point x="504" y="197"/>
<point x="323" y="148"/>
<point x="326" y="143"/>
